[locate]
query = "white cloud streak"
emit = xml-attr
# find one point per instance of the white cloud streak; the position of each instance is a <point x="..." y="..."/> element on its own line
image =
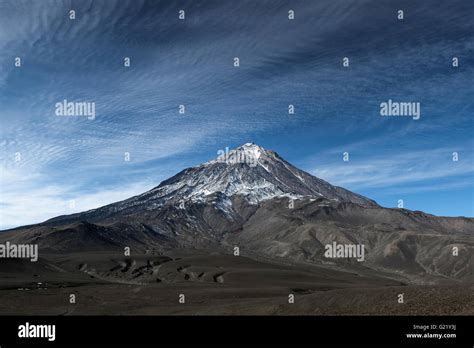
<point x="401" y="169"/>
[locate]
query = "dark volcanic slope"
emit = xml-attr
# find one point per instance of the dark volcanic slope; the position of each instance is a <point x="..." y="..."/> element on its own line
<point x="255" y="200"/>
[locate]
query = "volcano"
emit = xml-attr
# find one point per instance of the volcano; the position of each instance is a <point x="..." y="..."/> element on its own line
<point x="249" y="172"/>
<point x="250" y="202"/>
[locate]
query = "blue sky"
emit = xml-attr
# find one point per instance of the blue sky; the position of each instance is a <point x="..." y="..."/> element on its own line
<point x="190" y="62"/>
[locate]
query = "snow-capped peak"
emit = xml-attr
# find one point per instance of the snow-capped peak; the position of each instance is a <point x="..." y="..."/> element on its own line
<point x="251" y="150"/>
<point x="249" y="171"/>
<point x="248" y="154"/>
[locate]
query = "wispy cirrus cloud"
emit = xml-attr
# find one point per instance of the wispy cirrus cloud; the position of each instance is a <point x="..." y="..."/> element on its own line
<point x="395" y="170"/>
<point x="29" y="198"/>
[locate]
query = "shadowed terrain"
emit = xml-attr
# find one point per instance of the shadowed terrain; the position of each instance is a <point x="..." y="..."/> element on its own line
<point x="241" y="238"/>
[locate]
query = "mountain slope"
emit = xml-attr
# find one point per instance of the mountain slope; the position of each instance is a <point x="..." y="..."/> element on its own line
<point x="249" y="171"/>
<point x="251" y="198"/>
